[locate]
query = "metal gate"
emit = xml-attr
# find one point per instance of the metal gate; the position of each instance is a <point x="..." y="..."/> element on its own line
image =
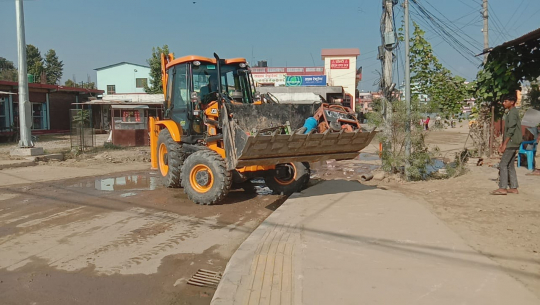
<point x="82" y="131"/>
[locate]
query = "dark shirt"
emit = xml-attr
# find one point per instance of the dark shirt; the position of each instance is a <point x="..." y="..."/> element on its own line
<point x="512" y="128"/>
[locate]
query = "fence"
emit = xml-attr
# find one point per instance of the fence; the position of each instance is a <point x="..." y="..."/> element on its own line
<point x="82" y="132"/>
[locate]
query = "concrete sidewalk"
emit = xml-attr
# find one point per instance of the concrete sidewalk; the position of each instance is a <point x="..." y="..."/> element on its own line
<point x="341" y="242"/>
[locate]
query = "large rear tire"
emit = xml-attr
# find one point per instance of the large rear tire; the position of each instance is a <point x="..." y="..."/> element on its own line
<point x="170" y="159"/>
<point x="296" y="180"/>
<point x="205" y="177"/>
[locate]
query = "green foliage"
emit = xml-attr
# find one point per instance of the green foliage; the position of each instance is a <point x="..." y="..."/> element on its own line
<point x="109" y="145"/>
<point x="8" y="71"/>
<point x="393" y="158"/>
<point x="504" y="70"/>
<point x="34" y="61"/>
<point x="533" y="99"/>
<point x="53" y="67"/>
<point x="446" y="92"/>
<point x="69" y="83"/>
<point x="82" y="117"/>
<point x="89" y="85"/>
<point x="155" y="70"/>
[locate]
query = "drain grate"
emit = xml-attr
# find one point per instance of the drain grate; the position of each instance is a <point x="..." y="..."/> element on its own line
<point x="205" y="278"/>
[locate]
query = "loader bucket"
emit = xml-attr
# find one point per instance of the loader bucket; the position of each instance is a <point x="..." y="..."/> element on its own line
<point x="245" y="148"/>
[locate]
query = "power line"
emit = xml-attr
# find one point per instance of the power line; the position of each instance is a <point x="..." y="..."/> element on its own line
<point x="442" y="28"/>
<point x="451" y="26"/>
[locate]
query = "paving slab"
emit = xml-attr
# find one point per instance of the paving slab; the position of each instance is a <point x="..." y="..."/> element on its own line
<point x="341" y="242"/>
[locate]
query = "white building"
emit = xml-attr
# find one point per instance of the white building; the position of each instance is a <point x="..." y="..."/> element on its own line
<point x="122" y="78"/>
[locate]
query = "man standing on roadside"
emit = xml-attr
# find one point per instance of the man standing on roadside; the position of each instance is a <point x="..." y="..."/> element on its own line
<point x="511" y="140"/>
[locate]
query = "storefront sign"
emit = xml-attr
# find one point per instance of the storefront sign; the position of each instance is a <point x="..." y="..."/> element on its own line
<point x="304" y="81"/>
<point x="339" y="64"/>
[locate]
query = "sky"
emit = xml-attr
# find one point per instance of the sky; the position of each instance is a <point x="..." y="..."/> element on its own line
<point x="94" y="33"/>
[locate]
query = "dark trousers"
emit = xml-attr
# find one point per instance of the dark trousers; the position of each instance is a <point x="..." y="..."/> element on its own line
<point x="507" y="170"/>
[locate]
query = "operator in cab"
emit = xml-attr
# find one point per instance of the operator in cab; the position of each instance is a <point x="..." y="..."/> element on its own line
<point x="209" y="92"/>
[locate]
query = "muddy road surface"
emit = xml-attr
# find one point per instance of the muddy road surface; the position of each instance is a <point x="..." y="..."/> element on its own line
<point x="118" y="239"/>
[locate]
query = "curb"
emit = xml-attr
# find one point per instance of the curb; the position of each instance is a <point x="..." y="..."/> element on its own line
<point x="268" y="240"/>
<point x="16" y="164"/>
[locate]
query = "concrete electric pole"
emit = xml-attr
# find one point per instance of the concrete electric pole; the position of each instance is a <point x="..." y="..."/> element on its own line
<point x="485" y="30"/>
<point x="486" y="27"/>
<point x="25" y="113"/>
<point x="407" y="87"/>
<point x="386" y="55"/>
<point x="388" y="43"/>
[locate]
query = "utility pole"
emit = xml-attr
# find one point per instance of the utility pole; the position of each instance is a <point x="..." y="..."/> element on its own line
<point x="486" y="47"/>
<point x="388" y="40"/>
<point x="407" y="87"/>
<point x="486" y="28"/>
<point x="386" y="55"/>
<point x="25" y="114"/>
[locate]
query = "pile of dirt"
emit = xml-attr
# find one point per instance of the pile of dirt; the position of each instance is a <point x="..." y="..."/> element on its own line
<point x="124" y="156"/>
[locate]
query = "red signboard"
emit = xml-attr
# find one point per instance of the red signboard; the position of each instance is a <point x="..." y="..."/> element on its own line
<point x="339" y="64"/>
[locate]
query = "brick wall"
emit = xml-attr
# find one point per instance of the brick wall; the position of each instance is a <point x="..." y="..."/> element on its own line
<point x="60" y="104"/>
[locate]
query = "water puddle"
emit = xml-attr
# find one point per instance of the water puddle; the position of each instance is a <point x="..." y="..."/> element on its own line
<point x="133" y="182"/>
<point x="141" y="182"/>
<point x="367" y="157"/>
<point x="260" y="187"/>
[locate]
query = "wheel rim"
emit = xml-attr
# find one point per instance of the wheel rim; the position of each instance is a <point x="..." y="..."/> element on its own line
<point x="288" y="180"/>
<point x="201" y="178"/>
<point x="163" y="166"/>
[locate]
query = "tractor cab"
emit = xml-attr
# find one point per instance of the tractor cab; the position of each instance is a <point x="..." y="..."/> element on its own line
<point x="193" y="83"/>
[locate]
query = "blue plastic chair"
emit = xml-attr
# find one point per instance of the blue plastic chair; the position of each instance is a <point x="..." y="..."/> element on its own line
<point x="529" y="153"/>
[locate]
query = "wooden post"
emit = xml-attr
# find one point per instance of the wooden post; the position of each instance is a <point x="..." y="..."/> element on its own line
<point x="492" y="131"/>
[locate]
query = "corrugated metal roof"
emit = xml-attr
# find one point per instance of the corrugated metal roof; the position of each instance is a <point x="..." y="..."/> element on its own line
<point x="527" y="37"/>
<point x="119" y="64"/>
<point x="129" y="107"/>
<point x="15" y="85"/>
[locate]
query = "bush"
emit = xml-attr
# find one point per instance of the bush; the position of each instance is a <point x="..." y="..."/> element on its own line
<point x="393" y="137"/>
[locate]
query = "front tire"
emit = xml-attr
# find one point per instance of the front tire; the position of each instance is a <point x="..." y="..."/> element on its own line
<point x="205" y="177"/>
<point x="170" y="159"/>
<point x="296" y="180"/>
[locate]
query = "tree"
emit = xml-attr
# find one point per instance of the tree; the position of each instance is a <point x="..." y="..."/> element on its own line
<point x="534" y="96"/>
<point x="446" y="92"/>
<point x="88" y="85"/>
<point x="34" y="61"/>
<point x="7" y="70"/>
<point x="69" y="83"/>
<point x="53" y="67"/>
<point x="155" y="70"/>
<point x="393" y="158"/>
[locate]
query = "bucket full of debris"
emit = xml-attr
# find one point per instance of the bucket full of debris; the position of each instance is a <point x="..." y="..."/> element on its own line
<point x="271" y="134"/>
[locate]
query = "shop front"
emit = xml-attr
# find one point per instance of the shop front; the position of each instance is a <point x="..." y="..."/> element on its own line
<point x="130" y="125"/>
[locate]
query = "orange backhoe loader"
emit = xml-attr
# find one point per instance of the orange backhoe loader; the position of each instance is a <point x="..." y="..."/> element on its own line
<point x="218" y="133"/>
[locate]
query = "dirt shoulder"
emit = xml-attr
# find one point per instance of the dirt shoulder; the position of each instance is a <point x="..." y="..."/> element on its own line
<point x="504" y="228"/>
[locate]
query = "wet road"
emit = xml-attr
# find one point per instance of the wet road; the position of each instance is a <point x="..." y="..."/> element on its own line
<point x="120" y="239"/>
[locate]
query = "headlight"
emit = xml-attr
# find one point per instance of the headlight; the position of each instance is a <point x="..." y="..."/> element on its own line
<point x="242" y="65"/>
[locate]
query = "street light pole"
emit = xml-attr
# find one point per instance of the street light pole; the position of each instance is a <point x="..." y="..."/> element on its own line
<point x="407" y="88"/>
<point x="25" y="114"/>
